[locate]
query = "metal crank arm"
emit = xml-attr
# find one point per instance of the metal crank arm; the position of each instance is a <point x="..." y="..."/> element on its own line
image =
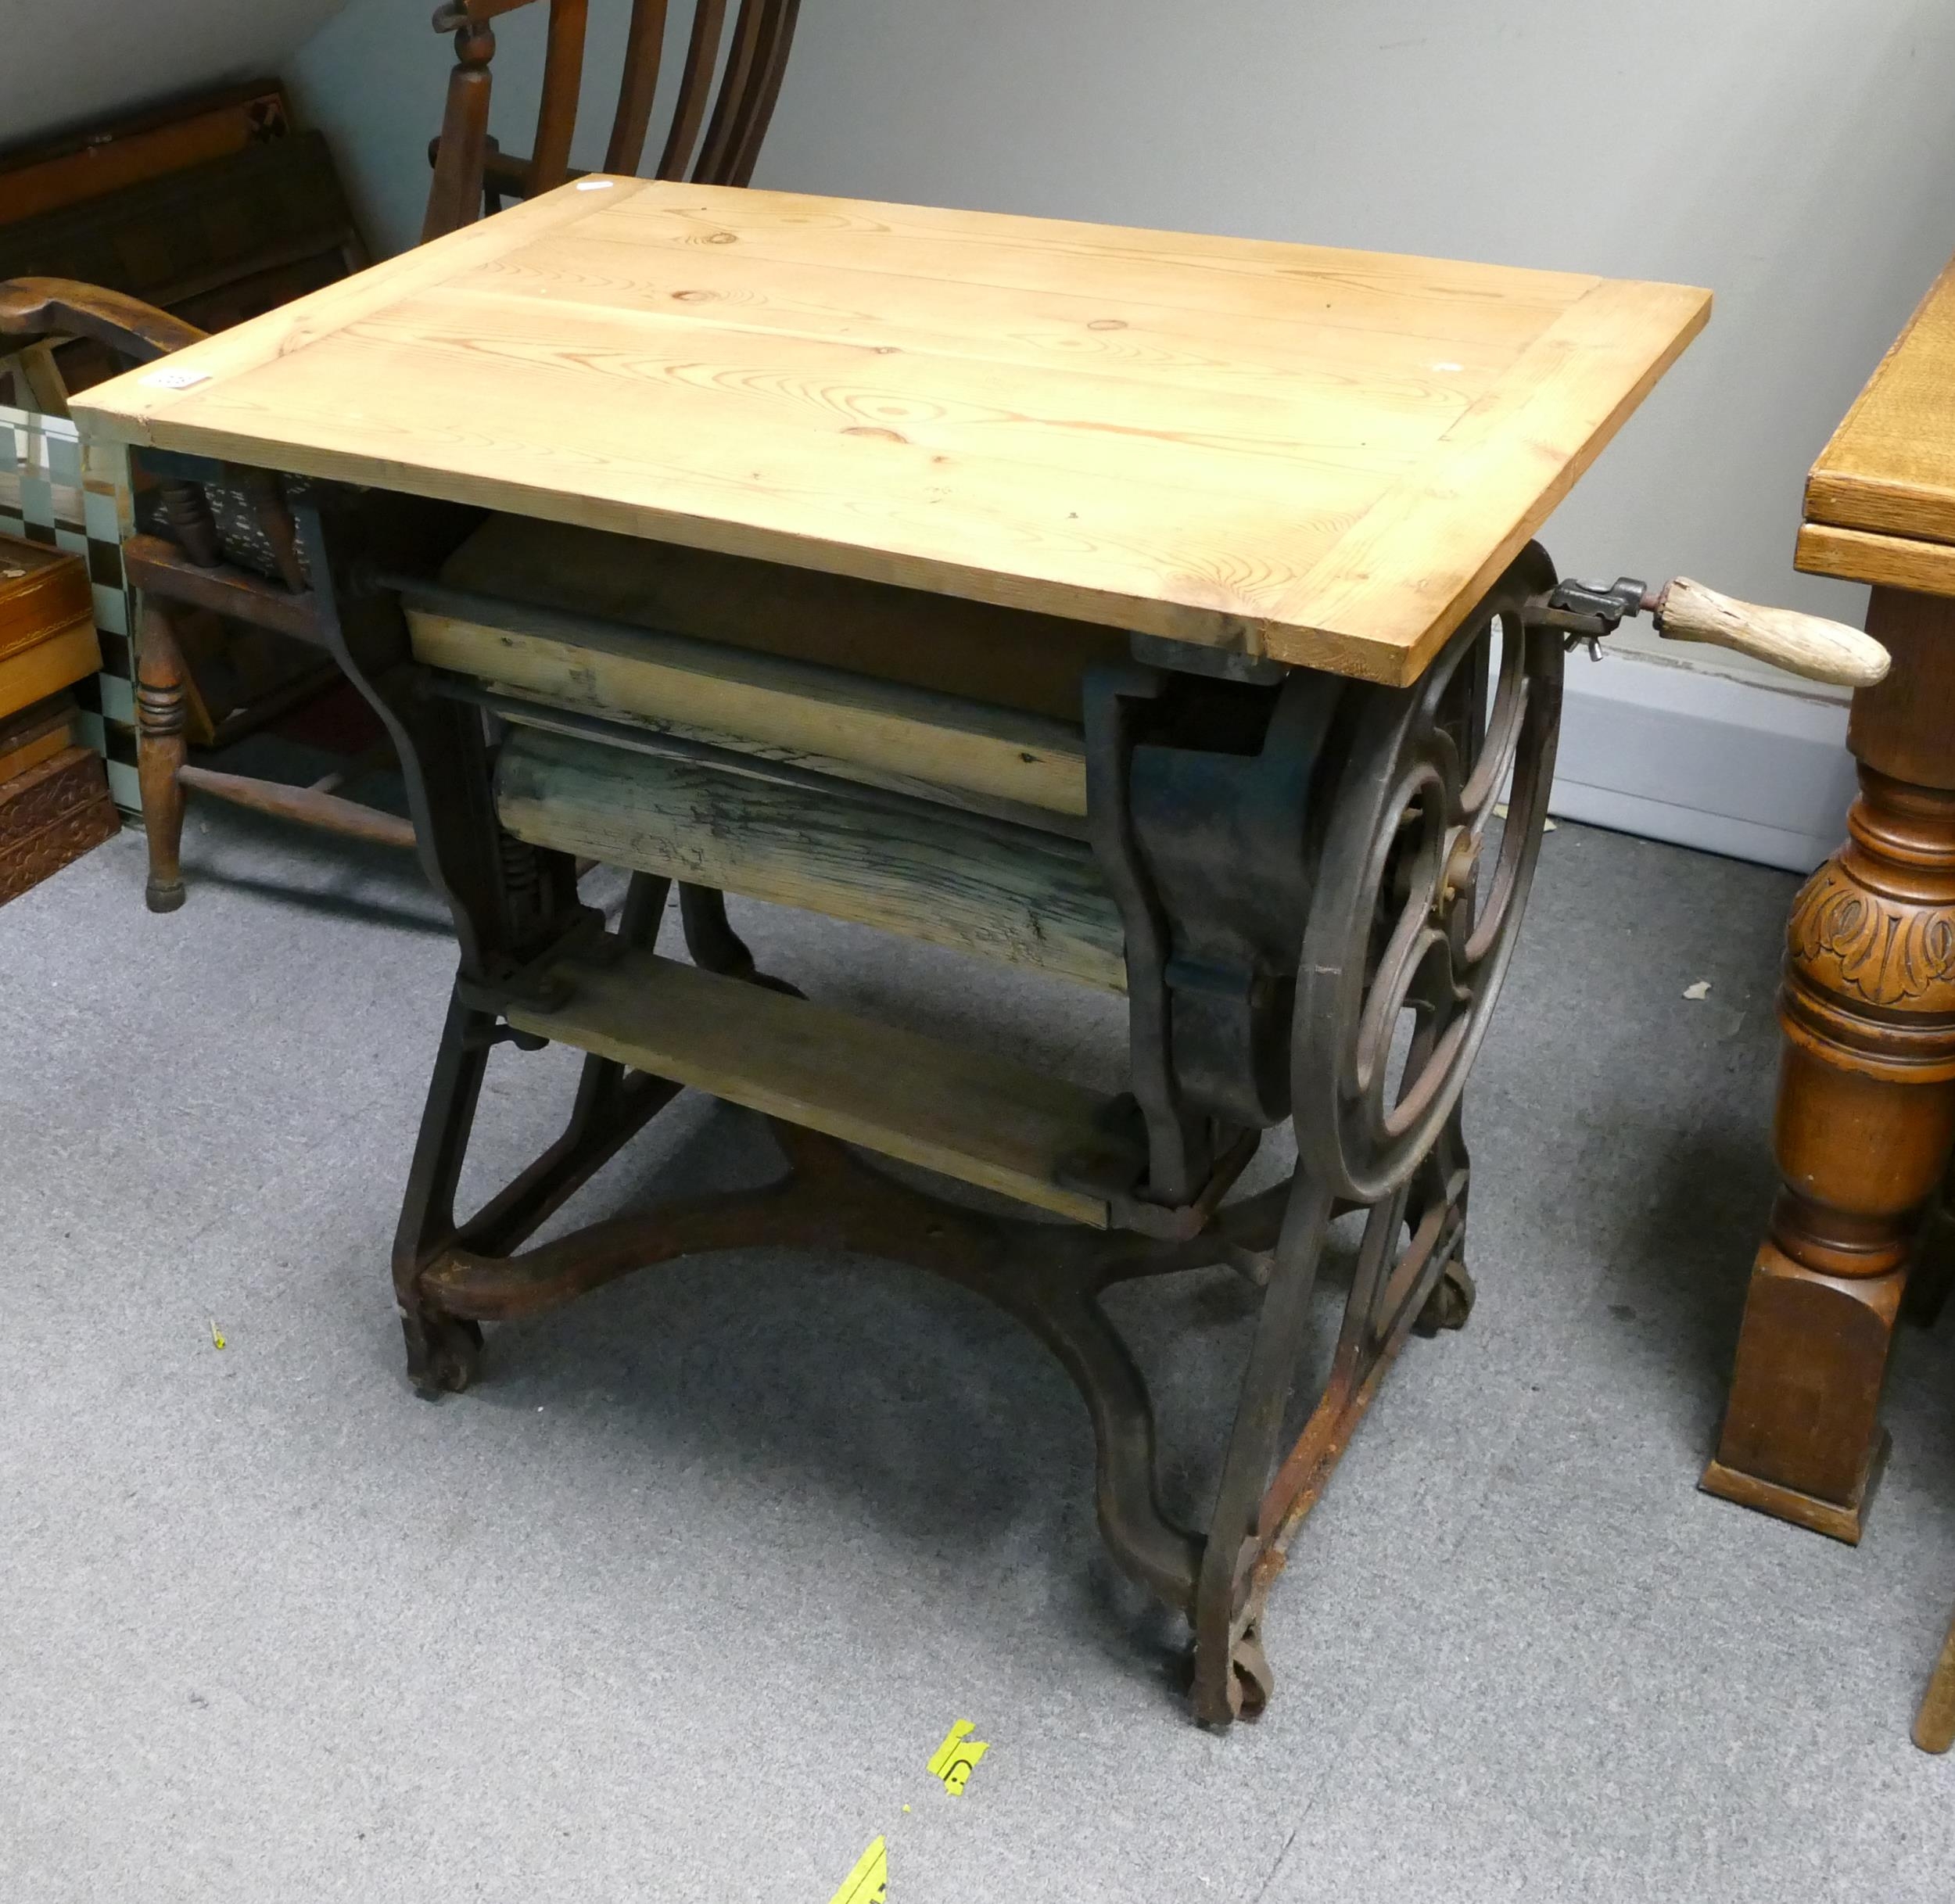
<point x="1806" y="645"/>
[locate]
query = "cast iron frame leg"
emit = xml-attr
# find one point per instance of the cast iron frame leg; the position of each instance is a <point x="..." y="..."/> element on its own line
<point x="1232" y="1682"/>
<point x="442" y="1351"/>
<point x="611" y="1106"/>
<point x="1446" y="1177"/>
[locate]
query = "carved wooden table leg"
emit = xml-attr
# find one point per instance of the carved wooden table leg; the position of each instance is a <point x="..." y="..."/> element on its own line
<point x="1866" y="1105"/>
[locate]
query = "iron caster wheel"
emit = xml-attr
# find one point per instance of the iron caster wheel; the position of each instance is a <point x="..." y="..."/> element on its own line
<point x="1250" y="1681"/>
<point x="1451" y="1302"/>
<point x="444" y="1352"/>
<point x="1246" y="1692"/>
<point x="1250" y="1684"/>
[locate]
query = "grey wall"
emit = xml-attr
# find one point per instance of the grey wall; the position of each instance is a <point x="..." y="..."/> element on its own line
<point x="1797" y="156"/>
<point x="66" y="63"/>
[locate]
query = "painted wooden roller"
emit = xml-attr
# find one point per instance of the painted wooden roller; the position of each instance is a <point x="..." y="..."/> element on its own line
<point x="955" y="702"/>
<point x="1017" y="894"/>
<point x="881" y="734"/>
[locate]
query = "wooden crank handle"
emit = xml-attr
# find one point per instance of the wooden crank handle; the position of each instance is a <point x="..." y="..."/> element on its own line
<point x="1802" y="644"/>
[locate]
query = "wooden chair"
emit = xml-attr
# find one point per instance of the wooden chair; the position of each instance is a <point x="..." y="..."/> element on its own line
<point x="472" y="175"/>
<point x="230" y="547"/>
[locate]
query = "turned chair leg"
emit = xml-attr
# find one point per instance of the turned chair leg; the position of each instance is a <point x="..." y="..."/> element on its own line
<point x="1935" y="1724"/>
<point x="160" y="755"/>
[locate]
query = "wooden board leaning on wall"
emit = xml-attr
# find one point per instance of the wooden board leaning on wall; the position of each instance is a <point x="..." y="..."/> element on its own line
<point x="50" y="174"/>
<point x="213" y="244"/>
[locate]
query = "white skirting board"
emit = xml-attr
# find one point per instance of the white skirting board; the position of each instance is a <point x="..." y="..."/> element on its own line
<point x="1699" y="759"/>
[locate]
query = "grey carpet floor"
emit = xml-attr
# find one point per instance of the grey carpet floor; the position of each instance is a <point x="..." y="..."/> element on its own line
<point x="678" y="1602"/>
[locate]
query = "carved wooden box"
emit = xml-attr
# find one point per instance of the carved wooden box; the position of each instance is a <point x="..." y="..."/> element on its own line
<point x="50" y="815"/>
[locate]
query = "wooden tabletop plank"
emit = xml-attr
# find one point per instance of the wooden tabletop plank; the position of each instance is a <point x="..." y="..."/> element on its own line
<point x="1317" y="454"/>
<point x="1890" y="467"/>
<point x="1055" y="328"/>
<point x="1379" y="292"/>
<point x="765" y="387"/>
<point x="857" y="505"/>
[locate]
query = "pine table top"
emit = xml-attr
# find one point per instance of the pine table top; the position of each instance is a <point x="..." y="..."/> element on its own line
<point x="1323" y="456"/>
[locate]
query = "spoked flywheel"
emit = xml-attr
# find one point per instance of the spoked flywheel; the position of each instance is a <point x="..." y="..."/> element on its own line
<point x="1419" y="890"/>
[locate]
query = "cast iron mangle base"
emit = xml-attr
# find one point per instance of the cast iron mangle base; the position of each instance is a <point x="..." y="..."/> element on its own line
<point x="452" y="1277"/>
<point x="1412" y="887"/>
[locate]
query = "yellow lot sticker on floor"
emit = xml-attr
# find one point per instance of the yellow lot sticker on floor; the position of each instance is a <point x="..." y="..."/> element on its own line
<point x="954" y="1761"/>
<point x="869" y="1882"/>
<point x="951" y="1763"/>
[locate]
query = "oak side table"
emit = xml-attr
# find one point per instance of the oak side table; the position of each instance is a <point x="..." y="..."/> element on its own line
<point x="1866" y="1112"/>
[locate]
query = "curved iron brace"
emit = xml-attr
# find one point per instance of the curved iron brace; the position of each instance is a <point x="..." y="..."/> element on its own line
<point x="1048" y="1277"/>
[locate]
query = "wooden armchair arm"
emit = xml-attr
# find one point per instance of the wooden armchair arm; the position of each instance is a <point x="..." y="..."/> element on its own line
<point x="33" y="308"/>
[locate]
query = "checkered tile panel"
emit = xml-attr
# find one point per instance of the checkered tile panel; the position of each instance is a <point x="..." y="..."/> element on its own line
<point x="56" y="489"/>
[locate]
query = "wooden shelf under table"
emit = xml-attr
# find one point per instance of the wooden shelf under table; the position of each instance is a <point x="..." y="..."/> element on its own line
<point x="971" y="1115"/>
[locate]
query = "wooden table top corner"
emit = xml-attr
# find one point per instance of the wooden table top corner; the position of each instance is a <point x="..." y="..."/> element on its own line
<point x="1324" y="456"/>
<point x="1880" y="502"/>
